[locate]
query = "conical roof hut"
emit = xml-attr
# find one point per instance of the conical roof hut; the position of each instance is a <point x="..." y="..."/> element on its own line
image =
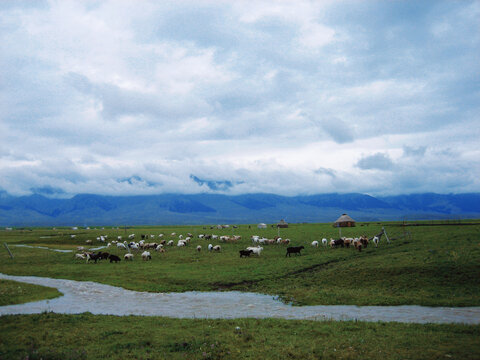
<point x="344" y="221"/>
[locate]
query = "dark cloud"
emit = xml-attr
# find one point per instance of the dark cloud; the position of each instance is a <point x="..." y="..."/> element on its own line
<point x="378" y="161"/>
<point x="414" y="151"/>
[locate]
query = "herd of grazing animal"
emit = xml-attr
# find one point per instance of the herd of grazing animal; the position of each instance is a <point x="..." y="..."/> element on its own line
<point x="162" y="243"/>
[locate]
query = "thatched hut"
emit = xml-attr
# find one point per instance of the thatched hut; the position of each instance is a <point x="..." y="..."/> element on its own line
<point x="282" y="224"/>
<point x="344" y="221"/>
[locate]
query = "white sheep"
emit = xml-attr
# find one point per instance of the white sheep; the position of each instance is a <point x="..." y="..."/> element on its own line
<point x="80" y="256"/>
<point x="315" y="243"/>
<point x="159" y="247"/>
<point x="128" y="257"/>
<point x="146" y="255"/>
<point x="181" y="243"/>
<point x="217" y="248"/>
<point x="199" y="248"/>
<point x="121" y="246"/>
<point x="119" y="238"/>
<point x="376" y="240"/>
<point x="210" y="247"/>
<point x="170" y="243"/>
<point x="324" y="242"/>
<point x="255" y="249"/>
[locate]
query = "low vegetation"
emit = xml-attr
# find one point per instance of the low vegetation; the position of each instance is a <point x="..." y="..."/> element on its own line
<point x="86" y="336"/>
<point x="12" y="292"/>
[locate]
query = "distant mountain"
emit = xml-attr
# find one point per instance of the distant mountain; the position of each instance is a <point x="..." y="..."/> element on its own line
<point x="87" y="209"/>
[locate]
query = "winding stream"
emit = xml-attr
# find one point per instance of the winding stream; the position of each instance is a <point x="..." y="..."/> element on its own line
<point x="87" y="296"/>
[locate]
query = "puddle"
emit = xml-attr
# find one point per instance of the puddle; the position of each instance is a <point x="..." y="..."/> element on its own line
<point x="87" y="296"/>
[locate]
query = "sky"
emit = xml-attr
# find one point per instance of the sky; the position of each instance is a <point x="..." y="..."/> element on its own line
<point x="287" y="97"/>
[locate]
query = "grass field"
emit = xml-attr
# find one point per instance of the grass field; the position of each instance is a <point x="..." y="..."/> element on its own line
<point x="51" y="336"/>
<point x="12" y="292"/>
<point x="425" y="265"/>
<point x="432" y="265"/>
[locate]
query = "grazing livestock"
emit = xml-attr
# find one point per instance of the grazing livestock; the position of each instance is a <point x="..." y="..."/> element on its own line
<point x="128" y="257"/>
<point x="217" y="248"/>
<point x="294" y="250"/>
<point x="255" y="250"/>
<point x="324" y="242"/>
<point x="181" y="243"/>
<point x="88" y="241"/>
<point x="315" y="243"/>
<point x="103" y="255"/>
<point x="159" y="247"/>
<point x="170" y="243"/>
<point x="114" y="258"/>
<point x="121" y="246"/>
<point x="92" y="256"/>
<point x="199" y="248"/>
<point x="80" y="256"/>
<point x="210" y="247"/>
<point x="376" y="240"/>
<point x="245" y="253"/>
<point x="146" y="255"/>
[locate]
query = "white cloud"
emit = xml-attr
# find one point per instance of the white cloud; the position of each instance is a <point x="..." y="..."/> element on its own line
<point x="272" y="96"/>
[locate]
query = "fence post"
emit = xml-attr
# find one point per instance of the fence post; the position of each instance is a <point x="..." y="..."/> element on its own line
<point x="6" y="246"/>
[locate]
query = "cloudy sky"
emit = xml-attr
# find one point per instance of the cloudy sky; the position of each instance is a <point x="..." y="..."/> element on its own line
<point x="287" y="97"/>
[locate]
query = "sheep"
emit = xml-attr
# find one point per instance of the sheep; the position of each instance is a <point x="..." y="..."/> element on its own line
<point x="134" y="247"/>
<point x="73" y="236"/>
<point x="201" y="236"/>
<point x="80" y="248"/>
<point x="294" y="250"/>
<point x="128" y="257"/>
<point x="199" y="248"/>
<point x="255" y="238"/>
<point x="146" y="256"/>
<point x="217" y="248"/>
<point x="114" y="258"/>
<point x="173" y="234"/>
<point x="80" y="256"/>
<point x="121" y="246"/>
<point x="159" y="247"/>
<point x="119" y="238"/>
<point x="170" y="243"/>
<point x="286" y="241"/>
<point x="210" y="247"/>
<point x="255" y="250"/>
<point x="88" y="241"/>
<point x="324" y="242"/>
<point x="376" y="240"/>
<point x="245" y="253"/>
<point x="131" y="236"/>
<point x="160" y="235"/>
<point x="109" y="244"/>
<point x="315" y="243"/>
<point x="181" y="243"/>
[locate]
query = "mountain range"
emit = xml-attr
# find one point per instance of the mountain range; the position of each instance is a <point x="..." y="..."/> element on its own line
<point x="183" y="209"/>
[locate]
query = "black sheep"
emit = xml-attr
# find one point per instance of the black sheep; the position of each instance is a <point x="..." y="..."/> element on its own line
<point x="114" y="258"/>
<point x="246" y="253"/>
<point x="294" y="250"/>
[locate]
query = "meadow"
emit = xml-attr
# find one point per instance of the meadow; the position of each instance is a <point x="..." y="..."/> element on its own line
<point x="434" y="265"/>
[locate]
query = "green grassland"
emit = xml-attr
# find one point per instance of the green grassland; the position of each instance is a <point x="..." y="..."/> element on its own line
<point x="86" y="336"/>
<point x="425" y="265"/>
<point x="12" y="292"/>
<point x="422" y="265"/>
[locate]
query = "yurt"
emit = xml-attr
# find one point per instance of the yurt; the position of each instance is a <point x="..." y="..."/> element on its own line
<point x="282" y="224"/>
<point x="262" y="226"/>
<point x="344" y="221"/>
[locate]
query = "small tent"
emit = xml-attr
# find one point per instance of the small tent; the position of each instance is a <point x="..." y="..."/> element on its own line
<point x="344" y="221"/>
<point x="262" y="226"/>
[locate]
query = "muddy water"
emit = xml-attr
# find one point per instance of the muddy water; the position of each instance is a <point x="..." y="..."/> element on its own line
<point x="97" y="298"/>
